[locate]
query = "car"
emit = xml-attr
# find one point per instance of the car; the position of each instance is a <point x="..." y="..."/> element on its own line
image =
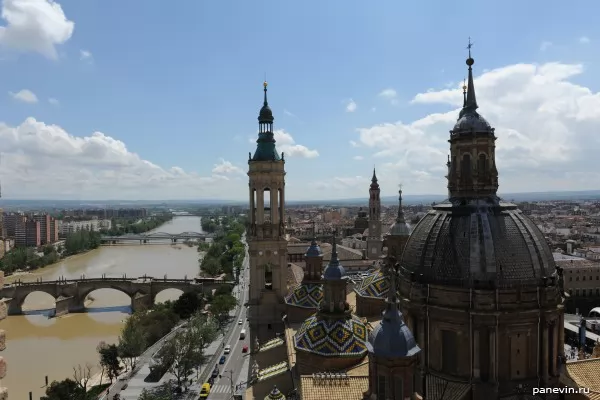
<point x="222" y="359"/>
<point x="245" y="349"/>
<point x="227" y="349"/>
<point x="240" y="322"/>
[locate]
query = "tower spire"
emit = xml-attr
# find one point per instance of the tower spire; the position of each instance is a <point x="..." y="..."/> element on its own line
<point x="374" y="184"/>
<point x="392" y="301"/>
<point x="471" y="100"/>
<point x="400" y="218"/>
<point x="265" y="149"/>
<point x="464" y="88"/>
<point x="265" y="85"/>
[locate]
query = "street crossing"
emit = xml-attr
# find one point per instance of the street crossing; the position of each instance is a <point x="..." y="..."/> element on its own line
<point x="220" y="389"/>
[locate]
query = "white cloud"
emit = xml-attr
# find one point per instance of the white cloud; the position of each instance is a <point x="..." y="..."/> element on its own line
<point x="354" y="143"/>
<point x="53" y="101"/>
<point x="24" y="95"/>
<point x="45" y="161"/>
<point x="224" y="167"/>
<point x="287" y="145"/>
<point x="546" y="127"/>
<point x="351" y="106"/>
<point x="584" y="40"/>
<point x="545" y="46"/>
<point x="390" y="94"/>
<point x="35" y="25"/>
<point x="86" y="55"/>
<point x="359" y="158"/>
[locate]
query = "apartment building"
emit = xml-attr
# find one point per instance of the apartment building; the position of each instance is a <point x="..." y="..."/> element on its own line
<point x="106" y="213"/>
<point x="65" y="226"/>
<point x="27" y="233"/>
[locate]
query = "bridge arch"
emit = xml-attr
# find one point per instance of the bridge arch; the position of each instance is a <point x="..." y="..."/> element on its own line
<point x="38" y="299"/>
<point x="84" y="294"/>
<point x="168" y="294"/>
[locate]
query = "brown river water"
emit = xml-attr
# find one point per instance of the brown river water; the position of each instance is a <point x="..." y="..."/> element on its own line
<point x="38" y="346"/>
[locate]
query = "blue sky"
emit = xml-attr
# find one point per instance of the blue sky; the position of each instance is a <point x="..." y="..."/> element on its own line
<point x="180" y="85"/>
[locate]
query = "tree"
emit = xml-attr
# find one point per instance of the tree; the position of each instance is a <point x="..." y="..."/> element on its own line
<point x="185" y="351"/>
<point x="210" y="266"/>
<point x="109" y="360"/>
<point x="162" y="392"/>
<point x="187" y="304"/>
<point x="131" y="342"/>
<point x="222" y="304"/>
<point x="82" y="376"/>
<point x="64" y="390"/>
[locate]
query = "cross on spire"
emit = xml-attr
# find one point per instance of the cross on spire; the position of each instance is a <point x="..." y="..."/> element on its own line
<point x="469" y="46"/>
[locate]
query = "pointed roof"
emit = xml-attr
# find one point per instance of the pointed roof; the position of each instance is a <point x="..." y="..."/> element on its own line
<point x="334" y="270"/>
<point x="275" y="394"/>
<point x="392" y="338"/>
<point x="469" y="119"/>
<point x="374" y="184"/>
<point x="400" y="228"/>
<point x="265" y="145"/>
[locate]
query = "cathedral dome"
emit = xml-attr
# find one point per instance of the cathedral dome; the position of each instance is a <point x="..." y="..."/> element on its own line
<point x="472" y="122"/>
<point x="305" y="295"/>
<point x="374" y="285"/>
<point x="344" y="337"/>
<point x="478" y="243"/>
<point x="313" y="250"/>
<point x="399" y="229"/>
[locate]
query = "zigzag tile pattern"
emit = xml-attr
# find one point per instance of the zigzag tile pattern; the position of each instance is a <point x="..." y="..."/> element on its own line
<point x="333" y="337"/>
<point x="305" y="295"/>
<point x="376" y="284"/>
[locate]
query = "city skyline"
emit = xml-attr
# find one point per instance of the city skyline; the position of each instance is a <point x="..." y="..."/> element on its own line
<point x="136" y="112"/>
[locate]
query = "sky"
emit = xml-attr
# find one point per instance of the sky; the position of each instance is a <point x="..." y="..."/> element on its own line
<point x="149" y="100"/>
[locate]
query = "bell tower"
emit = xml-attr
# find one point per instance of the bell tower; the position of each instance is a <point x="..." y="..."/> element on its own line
<point x="472" y="165"/>
<point x="374" y="240"/>
<point x="267" y="245"/>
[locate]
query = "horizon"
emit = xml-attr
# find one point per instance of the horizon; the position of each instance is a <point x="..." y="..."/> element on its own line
<point x="133" y="112"/>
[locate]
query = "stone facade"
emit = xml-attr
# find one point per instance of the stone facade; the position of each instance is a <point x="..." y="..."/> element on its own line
<point x="3" y="314"/>
<point x="510" y="335"/>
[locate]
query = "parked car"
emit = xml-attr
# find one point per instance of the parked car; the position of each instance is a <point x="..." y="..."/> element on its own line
<point x="245" y="349"/>
<point x="227" y="349"/>
<point x="222" y="359"/>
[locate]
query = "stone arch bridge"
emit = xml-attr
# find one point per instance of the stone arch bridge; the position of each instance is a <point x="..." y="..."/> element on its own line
<point x="70" y="294"/>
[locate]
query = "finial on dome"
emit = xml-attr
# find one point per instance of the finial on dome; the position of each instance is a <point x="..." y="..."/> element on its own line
<point x="464" y="88"/>
<point x="470" y="101"/>
<point x="265" y="84"/>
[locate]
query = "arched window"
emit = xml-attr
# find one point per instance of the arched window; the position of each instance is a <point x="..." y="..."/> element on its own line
<point x="280" y="201"/>
<point x="268" y="277"/>
<point x="482" y="164"/>
<point x="466" y="167"/>
<point x="449" y="351"/>
<point x="267" y="205"/>
<point x="253" y="199"/>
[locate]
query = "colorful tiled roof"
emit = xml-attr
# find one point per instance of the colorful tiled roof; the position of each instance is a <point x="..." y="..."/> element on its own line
<point x="275" y="395"/>
<point x="374" y="285"/>
<point x="344" y="337"/>
<point x="585" y="375"/>
<point x="305" y="295"/>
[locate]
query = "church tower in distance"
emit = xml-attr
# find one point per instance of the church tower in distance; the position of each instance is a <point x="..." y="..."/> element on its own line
<point x="374" y="240"/>
<point x="266" y="237"/>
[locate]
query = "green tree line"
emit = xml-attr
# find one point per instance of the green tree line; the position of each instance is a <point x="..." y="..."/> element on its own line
<point x="227" y="251"/>
<point x="123" y="226"/>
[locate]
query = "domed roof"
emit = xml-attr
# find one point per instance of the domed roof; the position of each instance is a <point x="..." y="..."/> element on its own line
<point x="313" y="250"/>
<point x="375" y="284"/>
<point x="472" y="122"/>
<point x="479" y="242"/>
<point x="334" y="270"/>
<point x="265" y="114"/>
<point x="392" y="338"/>
<point x="400" y="229"/>
<point x="305" y="295"/>
<point x="275" y="394"/>
<point x="344" y="337"/>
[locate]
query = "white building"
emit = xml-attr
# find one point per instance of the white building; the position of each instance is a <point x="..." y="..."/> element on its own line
<point x="66" y="227"/>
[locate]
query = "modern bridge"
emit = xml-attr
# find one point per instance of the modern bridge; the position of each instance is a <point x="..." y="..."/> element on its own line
<point x="148" y="237"/>
<point x="70" y="294"/>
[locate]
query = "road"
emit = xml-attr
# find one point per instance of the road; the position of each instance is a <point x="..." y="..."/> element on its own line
<point x="230" y="371"/>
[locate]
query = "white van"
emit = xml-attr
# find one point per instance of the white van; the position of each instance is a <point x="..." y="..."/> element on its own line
<point x="227" y="349"/>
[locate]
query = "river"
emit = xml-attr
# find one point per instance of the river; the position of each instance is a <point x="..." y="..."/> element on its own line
<point x="38" y="346"/>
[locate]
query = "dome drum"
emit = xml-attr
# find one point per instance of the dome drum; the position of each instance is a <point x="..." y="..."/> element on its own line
<point x="447" y="297"/>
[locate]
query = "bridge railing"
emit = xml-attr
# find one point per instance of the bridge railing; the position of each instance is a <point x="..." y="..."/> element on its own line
<point x="147" y="279"/>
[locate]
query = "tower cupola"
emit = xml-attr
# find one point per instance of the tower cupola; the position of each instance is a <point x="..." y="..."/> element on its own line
<point x="265" y="149"/>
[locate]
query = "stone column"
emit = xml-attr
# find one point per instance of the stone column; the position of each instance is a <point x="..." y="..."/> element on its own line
<point x="555" y="345"/>
<point x="476" y="351"/>
<point x="3" y="314"/>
